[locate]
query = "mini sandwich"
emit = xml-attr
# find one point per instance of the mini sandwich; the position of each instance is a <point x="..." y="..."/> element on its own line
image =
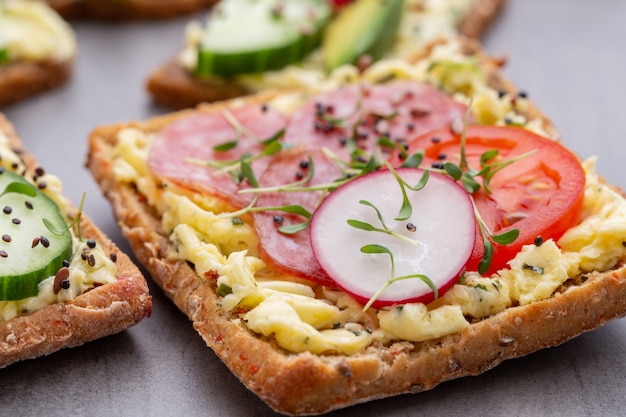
<point x="127" y="9"/>
<point x="62" y="282"/>
<point x="37" y="50"/>
<point x="248" y="46"/>
<point x="390" y="230"/>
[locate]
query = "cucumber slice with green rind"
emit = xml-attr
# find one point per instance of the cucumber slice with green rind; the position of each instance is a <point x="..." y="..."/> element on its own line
<point x="30" y="249"/>
<point x="365" y="27"/>
<point x="253" y="36"/>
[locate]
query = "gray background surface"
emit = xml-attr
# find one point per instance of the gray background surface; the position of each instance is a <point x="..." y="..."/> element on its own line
<point x="569" y="55"/>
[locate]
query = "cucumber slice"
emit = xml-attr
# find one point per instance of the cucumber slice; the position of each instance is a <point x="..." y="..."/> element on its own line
<point x="252" y="36"/>
<point x="29" y="250"/>
<point x="365" y="27"/>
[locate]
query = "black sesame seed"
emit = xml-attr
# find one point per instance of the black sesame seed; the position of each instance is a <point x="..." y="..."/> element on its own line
<point x="6" y="238"/>
<point x="7" y="210"/>
<point x="410" y="126"/>
<point x="299" y="175"/>
<point x="522" y="94"/>
<point x="411" y="227"/>
<point x="15" y="165"/>
<point x="3" y="254"/>
<point x="113" y="256"/>
<point x="28" y="205"/>
<point x="35" y="242"/>
<point x="44" y="241"/>
<point x="278" y="219"/>
<point x="91" y="260"/>
<point x="83" y="256"/>
<point x="42" y="185"/>
<point x="66" y="263"/>
<point x="1" y="169"/>
<point x="15" y="220"/>
<point x="501" y="93"/>
<point x="343" y="141"/>
<point x="437" y="165"/>
<point x="336" y="325"/>
<point x="304" y="164"/>
<point x="65" y="284"/>
<point x="435" y="139"/>
<point x="91" y="243"/>
<point x="40" y="171"/>
<point x="264" y="108"/>
<point x="538" y="241"/>
<point x="442" y="156"/>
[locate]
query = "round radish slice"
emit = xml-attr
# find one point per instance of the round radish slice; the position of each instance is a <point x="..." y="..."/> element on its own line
<point x="436" y="240"/>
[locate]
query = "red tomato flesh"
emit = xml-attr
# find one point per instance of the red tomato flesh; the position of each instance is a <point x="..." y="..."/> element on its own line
<point x="541" y="195"/>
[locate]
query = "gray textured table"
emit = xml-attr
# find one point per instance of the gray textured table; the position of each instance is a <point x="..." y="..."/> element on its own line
<point x="568" y="55"/>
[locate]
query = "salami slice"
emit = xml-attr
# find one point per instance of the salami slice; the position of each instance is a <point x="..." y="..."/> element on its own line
<point x="178" y="151"/>
<point x="292" y="253"/>
<point x="356" y="116"/>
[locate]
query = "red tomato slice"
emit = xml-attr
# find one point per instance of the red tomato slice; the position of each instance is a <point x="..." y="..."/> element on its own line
<point x="541" y="195"/>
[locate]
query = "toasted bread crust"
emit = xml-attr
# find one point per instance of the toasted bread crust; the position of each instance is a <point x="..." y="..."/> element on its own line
<point x="22" y="79"/>
<point x="305" y="383"/>
<point x="102" y="311"/>
<point x="173" y="86"/>
<point x="127" y="10"/>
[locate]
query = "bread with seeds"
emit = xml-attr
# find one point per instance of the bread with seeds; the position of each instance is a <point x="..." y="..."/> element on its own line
<point x="63" y="283"/>
<point x="183" y="81"/>
<point x="250" y="216"/>
<point x="128" y="9"/>
<point x="37" y="50"/>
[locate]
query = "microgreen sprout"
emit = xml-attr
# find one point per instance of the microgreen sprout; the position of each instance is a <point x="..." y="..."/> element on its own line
<point x="380" y="249"/>
<point x="361" y="225"/>
<point x="75" y="221"/>
<point x="503" y="239"/>
<point x="406" y="209"/>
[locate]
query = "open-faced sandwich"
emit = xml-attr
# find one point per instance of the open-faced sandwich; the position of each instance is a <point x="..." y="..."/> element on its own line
<point x="247" y="46"/>
<point x="127" y="9"/>
<point x="392" y="229"/>
<point x="62" y="282"/>
<point x="37" y="49"/>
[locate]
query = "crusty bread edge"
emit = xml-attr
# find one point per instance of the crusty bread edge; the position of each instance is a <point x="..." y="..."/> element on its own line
<point x="102" y="311"/>
<point x="128" y="9"/>
<point x="301" y="384"/>
<point x="174" y="87"/>
<point x="22" y="79"/>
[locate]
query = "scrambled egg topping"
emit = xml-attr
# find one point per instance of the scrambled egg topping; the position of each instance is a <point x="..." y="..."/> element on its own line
<point x="302" y="317"/>
<point x="83" y="276"/>
<point x="31" y="30"/>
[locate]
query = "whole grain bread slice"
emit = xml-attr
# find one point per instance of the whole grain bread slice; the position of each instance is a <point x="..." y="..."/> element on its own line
<point x="22" y="79"/>
<point x="306" y="383"/>
<point x="175" y="87"/>
<point x="101" y="311"/>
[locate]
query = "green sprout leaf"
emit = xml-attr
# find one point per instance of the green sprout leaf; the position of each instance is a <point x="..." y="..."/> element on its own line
<point x="19" y="188"/>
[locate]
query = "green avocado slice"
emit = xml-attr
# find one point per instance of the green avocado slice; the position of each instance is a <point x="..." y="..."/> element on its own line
<point x="365" y="27"/>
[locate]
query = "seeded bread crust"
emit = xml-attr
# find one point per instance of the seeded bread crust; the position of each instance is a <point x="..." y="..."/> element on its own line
<point x="127" y="9"/>
<point x="173" y="86"/>
<point x="22" y="79"/>
<point x="308" y="384"/>
<point x="102" y="311"/>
